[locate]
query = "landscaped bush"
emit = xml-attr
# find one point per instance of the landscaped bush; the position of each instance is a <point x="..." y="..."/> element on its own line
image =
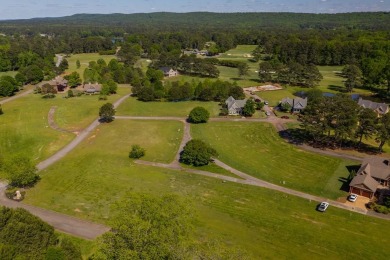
<point x="136" y="152"/>
<point x="199" y="115"/>
<point x="197" y="153"/>
<point x="382" y="209"/>
<point x="49" y="95"/>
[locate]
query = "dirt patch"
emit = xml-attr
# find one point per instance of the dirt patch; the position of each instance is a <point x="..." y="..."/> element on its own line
<point x="268" y="87"/>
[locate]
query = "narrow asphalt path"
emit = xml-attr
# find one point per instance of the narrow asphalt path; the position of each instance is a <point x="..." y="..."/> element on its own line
<point x="82" y="135"/>
<point x="64" y="223"/>
<point x="23" y="94"/>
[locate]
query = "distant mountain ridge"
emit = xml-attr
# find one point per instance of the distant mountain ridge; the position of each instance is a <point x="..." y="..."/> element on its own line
<point x="369" y="20"/>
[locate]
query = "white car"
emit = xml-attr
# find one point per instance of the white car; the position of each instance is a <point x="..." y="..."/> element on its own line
<point x="265" y="102"/>
<point x="267" y="113"/>
<point x="323" y="206"/>
<point x="352" y="197"/>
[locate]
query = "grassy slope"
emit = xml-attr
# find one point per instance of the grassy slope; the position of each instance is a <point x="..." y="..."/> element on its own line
<point x="24" y="127"/>
<point x="264" y="223"/>
<point x="257" y="150"/>
<point x="134" y="107"/>
<point x="8" y="73"/>
<point x="84" y="59"/>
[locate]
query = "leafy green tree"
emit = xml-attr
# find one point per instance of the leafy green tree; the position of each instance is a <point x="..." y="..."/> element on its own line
<point x="147" y="227"/>
<point x="265" y="71"/>
<point x="137" y="152"/>
<point x="146" y="94"/>
<point x="20" y="171"/>
<point x="236" y="92"/>
<point x="243" y="69"/>
<point x="78" y="64"/>
<point x="48" y="89"/>
<point x="354" y="77"/>
<point x="64" y="65"/>
<point x="383" y="129"/>
<point x="1" y="110"/>
<point x="367" y="124"/>
<point x="197" y="153"/>
<point x="199" y="115"/>
<point x="73" y="79"/>
<point x="107" y="113"/>
<point x="259" y="105"/>
<point x="286" y="107"/>
<point x="32" y="73"/>
<point x="249" y="108"/>
<point x="6" y="88"/>
<point x="70" y="93"/>
<point x="20" y="79"/>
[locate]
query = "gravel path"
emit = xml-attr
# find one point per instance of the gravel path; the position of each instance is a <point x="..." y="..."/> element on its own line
<point x="64" y="223"/>
<point x="25" y="93"/>
<point x="52" y="123"/>
<point x="82" y="135"/>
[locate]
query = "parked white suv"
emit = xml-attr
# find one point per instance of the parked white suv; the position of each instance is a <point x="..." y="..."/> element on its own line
<point x="323" y="206"/>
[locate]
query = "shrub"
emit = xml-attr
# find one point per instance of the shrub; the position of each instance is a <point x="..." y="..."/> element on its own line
<point x="107" y="112"/>
<point x="197" y="153"/>
<point x="199" y="115"/>
<point x="102" y="97"/>
<point x="136" y="152"/>
<point x="49" y="95"/>
<point x="381" y="209"/>
<point x="70" y="93"/>
<point x="1" y="110"/>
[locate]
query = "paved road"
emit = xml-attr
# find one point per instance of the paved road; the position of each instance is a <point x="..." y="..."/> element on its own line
<point x="82" y="135"/>
<point x="61" y="222"/>
<point x="25" y="93"/>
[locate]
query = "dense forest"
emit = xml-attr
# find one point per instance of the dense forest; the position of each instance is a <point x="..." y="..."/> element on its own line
<point x="289" y="43"/>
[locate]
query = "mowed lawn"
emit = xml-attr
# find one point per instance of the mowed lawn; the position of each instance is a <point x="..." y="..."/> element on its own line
<point x="84" y="59"/>
<point x="8" y="73"/>
<point x="263" y="223"/>
<point x="134" y="107"/>
<point x="24" y="125"/>
<point x="256" y="149"/>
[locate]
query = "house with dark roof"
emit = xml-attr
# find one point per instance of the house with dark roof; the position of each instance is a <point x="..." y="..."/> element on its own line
<point x="234" y="106"/>
<point x="297" y="104"/>
<point x="374" y="173"/>
<point x="92" y="88"/>
<point x="379" y="108"/>
<point x="169" y="72"/>
<point x="59" y="82"/>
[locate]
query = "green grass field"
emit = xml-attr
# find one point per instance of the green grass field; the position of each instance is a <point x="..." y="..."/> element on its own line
<point x="264" y="223"/>
<point x="258" y="150"/>
<point x="133" y="107"/>
<point x="8" y="73"/>
<point x="24" y="126"/>
<point x="84" y="59"/>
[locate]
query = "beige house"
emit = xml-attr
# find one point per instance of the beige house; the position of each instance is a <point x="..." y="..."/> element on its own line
<point x="92" y="88"/>
<point x="169" y="72"/>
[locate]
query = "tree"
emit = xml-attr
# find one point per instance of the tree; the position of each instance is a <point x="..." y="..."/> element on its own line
<point x="367" y="124"/>
<point x="243" y="69"/>
<point x="136" y="152"/>
<point x="64" y="65"/>
<point x="20" y="171"/>
<point x="48" y="89"/>
<point x="236" y="92"/>
<point x="147" y="227"/>
<point x="78" y="64"/>
<point x="259" y="105"/>
<point x="199" y="115"/>
<point x="1" y="110"/>
<point x="265" y="70"/>
<point x="286" y="107"/>
<point x="25" y="236"/>
<point x="353" y="75"/>
<point x="20" y="78"/>
<point x="32" y="73"/>
<point x="197" y="153"/>
<point x="73" y="79"/>
<point x="107" y="112"/>
<point x="249" y="108"/>
<point x="383" y="129"/>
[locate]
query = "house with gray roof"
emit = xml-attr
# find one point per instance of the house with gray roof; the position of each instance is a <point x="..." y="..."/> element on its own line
<point x="169" y="72"/>
<point x="374" y="173"/>
<point x="297" y="104"/>
<point x="92" y="88"/>
<point x="234" y="106"/>
<point x="379" y="108"/>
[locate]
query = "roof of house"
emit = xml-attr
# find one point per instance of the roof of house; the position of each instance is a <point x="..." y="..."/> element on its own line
<point x="231" y="102"/>
<point x="364" y="181"/>
<point x="58" y="81"/>
<point x="165" y="69"/>
<point x="296" y="103"/>
<point x="92" y="87"/>
<point x="381" y="108"/>
<point x="377" y="167"/>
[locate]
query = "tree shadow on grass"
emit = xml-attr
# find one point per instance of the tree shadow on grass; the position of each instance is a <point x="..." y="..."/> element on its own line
<point x="337" y="88"/>
<point x="352" y="169"/>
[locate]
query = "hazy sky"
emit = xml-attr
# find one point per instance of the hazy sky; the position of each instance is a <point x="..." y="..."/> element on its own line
<point x="19" y="9"/>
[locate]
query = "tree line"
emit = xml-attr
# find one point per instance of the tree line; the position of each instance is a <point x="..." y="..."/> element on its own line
<point x="339" y="121"/>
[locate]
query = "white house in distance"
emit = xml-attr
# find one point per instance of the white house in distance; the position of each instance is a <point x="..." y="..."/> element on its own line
<point x="235" y="107"/>
<point x="169" y="72"/>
